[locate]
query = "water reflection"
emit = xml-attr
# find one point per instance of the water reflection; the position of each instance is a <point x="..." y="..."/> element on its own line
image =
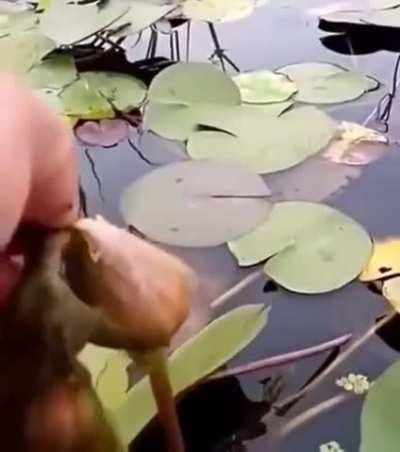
<point x="278" y="34"/>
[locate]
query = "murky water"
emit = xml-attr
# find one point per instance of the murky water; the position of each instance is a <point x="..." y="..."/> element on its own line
<point x="277" y="34"/>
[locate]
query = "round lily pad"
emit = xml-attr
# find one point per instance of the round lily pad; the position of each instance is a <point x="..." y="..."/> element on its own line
<point x="262" y="87"/>
<point x="54" y="72"/>
<point x="177" y="122"/>
<point x="196" y="203"/>
<point x="309" y="247"/>
<point x="125" y="92"/>
<point x="326" y="83"/>
<point x="191" y="83"/>
<point x="276" y="144"/>
<point x="217" y="10"/>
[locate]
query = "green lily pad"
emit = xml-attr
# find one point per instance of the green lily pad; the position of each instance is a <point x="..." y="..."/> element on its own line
<point x="201" y="355"/>
<point x="380" y="416"/>
<point x="387" y="17"/>
<point x="67" y="23"/>
<point x="326" y="83"/>
<point x="196" y="203"/>
<point x="125" y="92"/>
<point x="95" y="358"/>
<point x="274" y="145"/>
<point x="140" y="16"/>
<point x="178" y="122"/>
<point x="82" y="101"/>
<point x="55" y="72"/>
<point x="311" y="248"/>
<point x="217" y="10"/>
<point x="193" y="83"/>
<point x="51" y="98"/>
<point x="17" y="22"/>
<point x="20" y="51"/>
<point x="263" y="87"/>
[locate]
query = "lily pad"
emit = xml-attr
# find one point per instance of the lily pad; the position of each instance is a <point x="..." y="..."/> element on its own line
<point x="20" y="51"/>
<point x="385" y="260"/>
<point x="193" y="83"/>
<point x="67" y="23"/>
<point x="178" y="122"/>
<point x="391" y="291"/>
<point x="263" y="87"/>
<point x="274" y="145"/>
<point x="50" y="97"/>
<point x="17" y="22"/>
<point x="125" y="92"/>
<point x="141" y="15"/>
<point x="106" y="133"/>
<point x="350" y="146"/>
<point x="201" y="355"/>
<point x="217" y="10"/>
<point x="380" y="416"/>
<point x="54" y="72"/>
<point x="81" y="100"/>
<point x="326" y="83"/>
<point x="311" y="248"/>
<point x="196" y="203"/>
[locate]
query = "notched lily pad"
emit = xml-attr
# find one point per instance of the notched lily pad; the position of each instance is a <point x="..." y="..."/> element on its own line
<point x="196" y="203"/>
<point x="384" y="261"/>
<point x="309" y="247"/>
<point x="217" y="10"/>
<point x="326" y="83"/>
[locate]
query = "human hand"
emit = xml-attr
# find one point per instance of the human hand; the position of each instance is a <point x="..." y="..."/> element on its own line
<point x="38" y="171"/>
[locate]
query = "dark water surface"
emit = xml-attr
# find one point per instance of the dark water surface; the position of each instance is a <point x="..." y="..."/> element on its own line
<point x="278" y="34"/>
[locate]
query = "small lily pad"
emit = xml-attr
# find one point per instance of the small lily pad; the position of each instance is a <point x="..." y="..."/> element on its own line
<point x="274" y="145"/>
<point x="380" y="416"/>
<point x="81" y="100"/>
<point x="263" y="87"/>
<point x="205" y="352"/>
<point x="385" y="260"/>
<point x="309" y="247"/>
<point x="55" y="72"/>
<point x="326" y="83"/>
<point x="391" y="291"/>
<point x="196" y="203"/>
<point x="193" y="83"/>
<point x="106" y="132"/>
<point x="217" y="10"/>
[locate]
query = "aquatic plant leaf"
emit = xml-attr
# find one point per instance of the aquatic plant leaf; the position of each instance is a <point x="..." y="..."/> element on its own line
<point x="274" y="145"/>
<point x="20" y="51"/>
<point x="95" y="358"/>
<point x="349" y="147"/>
<point x="106" y="132"/>
<point x="67" y="23"/>
<point x="113" y="381"/>
<point x="55" y="72"/>
<point x="380" y="415"/>
<point x="205" y="352"/>
<point x="125" y="92"/>
<point x="50" y="97"/>
<point x="82" y="101"/>
<point x="141" y="15"/>
<point x="391" y="291"/>
<point x="217" y="10"/>
<point x="177" y="122"/>
<point x="310" y="247"/>
<point x="196" y="203"/>
<point x="262" y="87"/>
<point x="384" y="261"/>
<point x="17" y="22"/>
<point x="192" y="83"/>
<point x="325" y="83"/>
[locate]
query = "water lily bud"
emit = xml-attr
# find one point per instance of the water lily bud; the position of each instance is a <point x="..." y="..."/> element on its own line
<point x="140" y="288"/>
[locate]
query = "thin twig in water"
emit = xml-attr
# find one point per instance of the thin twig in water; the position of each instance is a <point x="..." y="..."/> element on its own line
<point x="219" y="52"/>
<point x="140" y="153"/>
<point x="313" y="412"/>
<point x="83" y="200"/>
<point x="219" y="301"/>
<point x="95" y="175"/>
<point x="188" y="34"/>
<point x="337" y="362"/>
<point x="284" y="359"/>
<point x="177" y="45"/>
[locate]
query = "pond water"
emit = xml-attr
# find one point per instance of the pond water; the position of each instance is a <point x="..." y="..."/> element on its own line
<point x="283" y="32"/>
